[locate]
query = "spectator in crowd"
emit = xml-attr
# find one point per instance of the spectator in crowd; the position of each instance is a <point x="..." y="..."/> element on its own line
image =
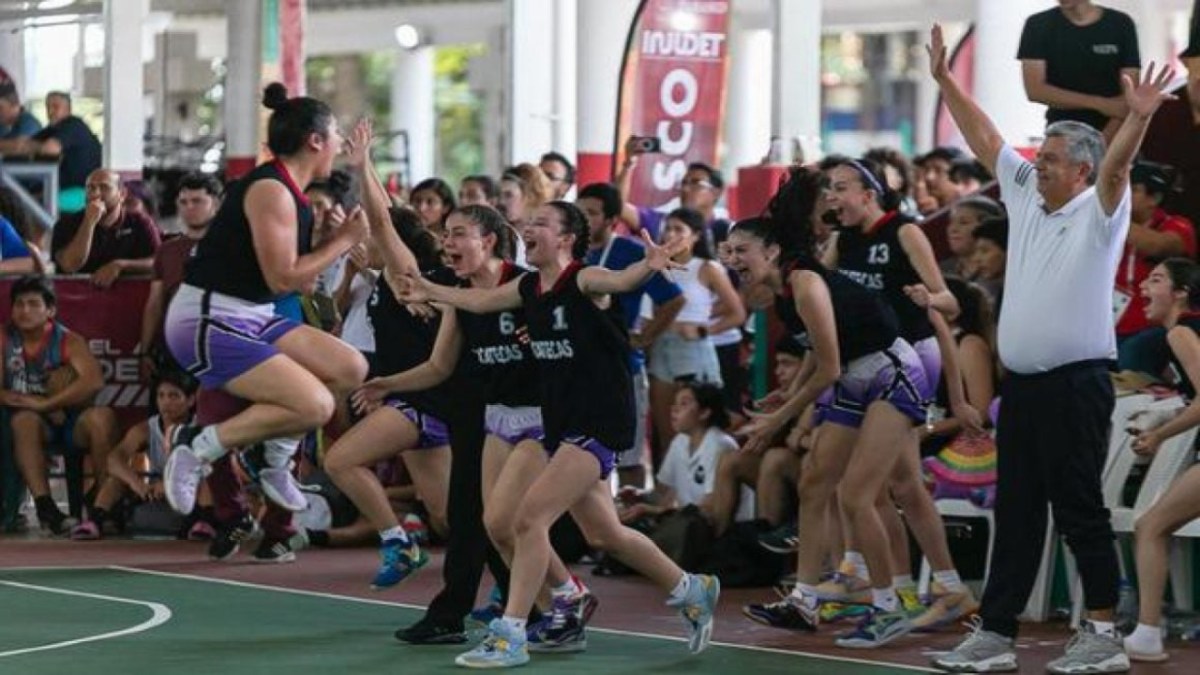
<point x="601" y="205"/>
<point x="1174" y="134"/>
<point x="1070" y="215"/>
<point x="1072" y="59"/>
<point x="478" y="189"/>
<point x="969" y="175"/>
<point x="924" y="200"/>
<point x="560" y="172"/>
<point x="50" y="378"/>
<point x="433" y="200"/>
<point x="197" y="202"/>
<point x="699" y="189"/>
<point x="699" y="420"/>
<point x="330" y="200"/>
<point x="31" y="235"/>
<point x="523" y="188"/>
<point x="139" y="200"/>
<point x="965" y="216"/>
<point x="105" y="240"/>
<point x="991" y="256"/>
<point x="1154" y="235"/>
<point x="899" y="173"/>
<point x="937" y="167"/>
<point x="15" y="121"/>
<point x="70" y="140"/>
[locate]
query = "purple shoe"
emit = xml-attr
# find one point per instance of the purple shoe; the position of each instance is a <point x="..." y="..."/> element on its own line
<point x="280" y="486"/>
<point x="181" y="478"/>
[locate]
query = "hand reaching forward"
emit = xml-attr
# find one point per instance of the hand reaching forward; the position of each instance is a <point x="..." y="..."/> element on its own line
<point x="938" y="66"/>
<point x="1143" y="98"/>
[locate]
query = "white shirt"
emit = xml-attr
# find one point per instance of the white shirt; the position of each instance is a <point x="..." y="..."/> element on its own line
<point x="1059" y="273"/>
<point x="692" y="474"/>
<point x="357" y="330"/>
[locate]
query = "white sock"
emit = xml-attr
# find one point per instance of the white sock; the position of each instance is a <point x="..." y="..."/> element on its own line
<point x="885" y="599"/>
<point x="396" y="532"/>
<point x="1104" y="628"/>
<point x="206" y="446"/>
<point x="902" y="581"/>
<point x="681" y="588"/>
<point x="567" y="589"/>
<point x="859" y="562"/>
<point x="1145" y="639"/>
<point x="805" y="595"/>
<point x="949" y="580"/>
<point x="517" y="625"/>
<point x="277" y="452"/>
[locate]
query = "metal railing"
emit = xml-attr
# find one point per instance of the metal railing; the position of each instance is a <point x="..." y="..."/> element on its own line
<point x="44" y="213"/>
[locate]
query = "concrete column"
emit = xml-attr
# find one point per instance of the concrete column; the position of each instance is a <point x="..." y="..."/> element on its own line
<point x="125" y="115"/>
<point x="243" y="94"/>
<point x="564" y="78"/>
<point x="998" y="86"/>
<point x="748" y="103"/>
<point x="539" y="88"/>
<point x="602" y="31"/>
<point x="413" y="111"/>
<point x="12" y="54"/>
<point x="796" y="75"/>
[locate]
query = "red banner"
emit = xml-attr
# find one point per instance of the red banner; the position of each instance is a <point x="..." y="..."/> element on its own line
<point x="673" y="89"/>
<point x="962" y="67"/>
<point x="110" y="320"/>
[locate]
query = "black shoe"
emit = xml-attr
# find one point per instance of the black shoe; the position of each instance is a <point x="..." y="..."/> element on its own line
<point x="231" y="537"/>
<point x="786" y="613"/>
<point x="428" y="632"/>
<point x="52" y="520"/>
<point x="274" y="551"/>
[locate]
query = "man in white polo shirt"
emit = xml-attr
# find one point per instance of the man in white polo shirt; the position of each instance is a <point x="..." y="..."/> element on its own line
<point x="1068" y="217"/>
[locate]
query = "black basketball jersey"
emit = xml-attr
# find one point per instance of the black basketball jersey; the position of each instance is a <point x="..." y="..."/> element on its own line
<point x="224" y="260"/>
<point x="877" y="260"/>
<point x="1185" y="385"/>
<point x="493" y="353"/>
<point x="404" y="341"/>
<point x="583" y="354"/>
<point x="865" y="323"/>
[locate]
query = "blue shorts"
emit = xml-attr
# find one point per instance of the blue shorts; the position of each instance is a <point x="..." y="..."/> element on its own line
<point x="513" y="425"/>
<point x="431" y="431"/>
<point x="895" y="375"/>
<point x="606" y="456"/>
<point x="217" y="337"/>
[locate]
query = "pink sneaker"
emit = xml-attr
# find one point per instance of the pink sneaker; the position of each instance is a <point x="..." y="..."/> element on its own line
<point x="201" y="531"/>
<point x="85" y="531"/>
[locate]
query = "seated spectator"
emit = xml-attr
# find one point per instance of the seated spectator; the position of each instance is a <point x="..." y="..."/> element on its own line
<point x="50" y="379"/>
<point x="70" y="140"/>
<point x="970" y="175"/>
<point x="699" y="419"/>
<point x="15" y="121"/>
<point x="965" y="216"/>
<point x="433" y="200"/>
<point x="699" y="189"/>
<point x="991" y="254"/>
<point x="478" y="189"/>
<point x="106" y="240"/>
<point x="926" y="203"/>
<point x="937" y="167"/>
<point x="560" y="172"/>
<point x="899" y="173"/>
<point x="197" y="202"/>
<point x="136" y="464"/>
<point x="1154" y="235"/>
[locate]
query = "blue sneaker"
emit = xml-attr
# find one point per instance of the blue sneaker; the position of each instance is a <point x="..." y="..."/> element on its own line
<point x="876" y="630"/>
<point x="697" y="609"/>
<point x="494" y="609"/>
<point x="502" y="648"/>
<point x="399" y="561"/>
<point x="564" y="629"/>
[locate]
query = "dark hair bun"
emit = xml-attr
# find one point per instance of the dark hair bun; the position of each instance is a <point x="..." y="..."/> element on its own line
<point x="275" y="96"/>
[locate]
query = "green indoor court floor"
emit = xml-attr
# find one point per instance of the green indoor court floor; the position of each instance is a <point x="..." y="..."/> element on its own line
<point x="133" y="622"/>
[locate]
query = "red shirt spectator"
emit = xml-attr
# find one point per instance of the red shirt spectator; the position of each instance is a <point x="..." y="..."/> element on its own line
<point x="106" y="240"/>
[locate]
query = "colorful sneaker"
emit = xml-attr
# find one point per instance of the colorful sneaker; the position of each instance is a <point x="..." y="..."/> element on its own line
<point x="910" y="601"/>
<point x="847" y="588"/>
<point x="415" y="528"/>
<point x="397" y="563"/>
<point x="277" y="483"/>
<point x="697" y="608"/>
<point x="876" y="630"/>
<point x="184" y="470"/>
<point x="274" y="551"/>
<point x="85" y="531"/>
<point x="1091" y="652"/>
<point x="502" y="648"/>
<point x="789" y="614"/>
<point x="782" y="540"/>
<point x="563" y="630"/>
<point x="833" y="612"/>
<point x="231" y="537"/>
<point x="428" y="632"/>
<point x="981" y="652"/>
<point x="945" y="608"/>
<point x="494" y="609"/>
<point x="201" y="531"/>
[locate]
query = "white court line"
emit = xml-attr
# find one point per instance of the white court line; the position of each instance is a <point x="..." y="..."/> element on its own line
<point x="160" y="615"/>
<point x="610" y="631"/>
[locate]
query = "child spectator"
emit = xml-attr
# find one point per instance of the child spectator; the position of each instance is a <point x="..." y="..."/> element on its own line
<point x="965" y="216"/>
<point x="991" y="252"/>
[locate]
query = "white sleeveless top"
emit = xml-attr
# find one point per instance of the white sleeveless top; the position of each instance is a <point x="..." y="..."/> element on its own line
<point x="698" y="299"/>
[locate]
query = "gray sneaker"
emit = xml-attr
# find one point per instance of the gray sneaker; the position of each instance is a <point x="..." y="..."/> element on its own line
<point x="1091" y="652"/>
<point x="982" y="652"/>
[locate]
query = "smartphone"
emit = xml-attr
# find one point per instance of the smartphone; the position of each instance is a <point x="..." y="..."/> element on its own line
<point x="646" y="144"/>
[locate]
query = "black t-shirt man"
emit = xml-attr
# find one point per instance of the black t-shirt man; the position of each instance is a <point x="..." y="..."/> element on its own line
<point x="1086" y="59"/>
<point x="80" y="150"/>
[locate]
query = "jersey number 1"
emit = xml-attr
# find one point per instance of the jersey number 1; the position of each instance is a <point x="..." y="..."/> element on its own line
<point x="560" y="318"/>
